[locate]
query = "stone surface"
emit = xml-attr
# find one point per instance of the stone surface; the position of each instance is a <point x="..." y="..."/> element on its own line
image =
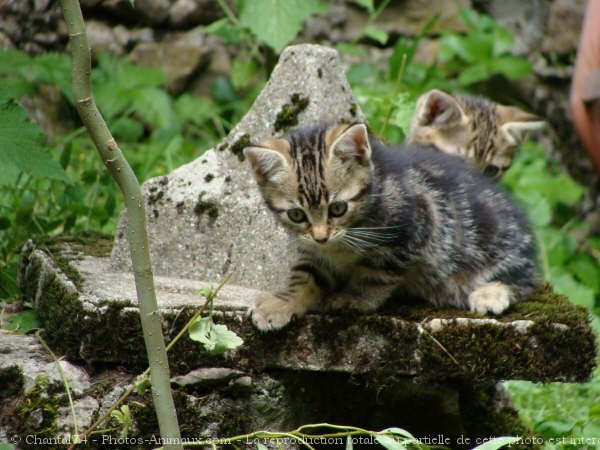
<point x="207" y="218"/>
<point x="89" y="312"/>
<point x="26" y="353"/>
<point x="102" y="38"/>
<point x="179" y="57"/>
<point x="185" y="13"/>
<point x="431" y="371"/>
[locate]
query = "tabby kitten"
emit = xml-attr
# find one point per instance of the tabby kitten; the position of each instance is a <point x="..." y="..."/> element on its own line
<point x="371" y="220"/>
<point x="474" y="128"/>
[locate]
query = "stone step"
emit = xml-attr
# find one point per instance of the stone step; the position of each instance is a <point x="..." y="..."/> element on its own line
<point x="89" y="312"/>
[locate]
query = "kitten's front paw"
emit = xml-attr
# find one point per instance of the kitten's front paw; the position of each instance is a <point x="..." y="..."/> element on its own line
<point x="271" y="313"/>
<point x="492" y="297"/>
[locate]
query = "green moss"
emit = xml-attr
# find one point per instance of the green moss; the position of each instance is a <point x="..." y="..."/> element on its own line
<point x="353" y="109"/>
<point x="288" y="116"/>
<point x="37" y="413"/>
<point x="237" y="148"/>
<point x="546" y="352"/>
<point x="11" y="382"/>
<point x="209" y="177"/>
<point x="207" y="207"/>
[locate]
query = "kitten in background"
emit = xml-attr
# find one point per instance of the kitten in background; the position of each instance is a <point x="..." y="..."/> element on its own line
<point x="372" y="220"/>
<point x="483" y="132"/>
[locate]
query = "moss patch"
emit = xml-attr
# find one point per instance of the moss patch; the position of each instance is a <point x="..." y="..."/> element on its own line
<point x="288" y="116"/>
<point x="210" y="208"/>
<point x="237" y="148"/>
<point x="11" y="382"/>
<point x="37" y="413"/>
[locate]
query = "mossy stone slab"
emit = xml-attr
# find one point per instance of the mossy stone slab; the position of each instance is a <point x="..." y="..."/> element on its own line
<point x="88" y="310"/>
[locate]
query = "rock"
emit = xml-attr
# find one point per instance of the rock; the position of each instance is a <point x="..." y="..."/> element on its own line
<point x="203" y="229"/>
<point x="152" y="12"/>
<point x="186" y="13"/>
<point x="179" y="57"/>
<point x="129" y="37"/>
<point x="565" y="18"/>
<point x="85" y="409"/>
<point x="102" y="38"/>
<point x="527" y="21"/>
<point x="26" y="354"/>
<point x="206" y="377"/>
<point x="428" y="370"/>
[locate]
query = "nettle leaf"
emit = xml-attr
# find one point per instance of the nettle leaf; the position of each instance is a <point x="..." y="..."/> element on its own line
<point x="474" y="74"/>
<point x="376" y="34"/>
<point x="497" y="443"/>
<point x="537" y="207"/>
<point x="277" y="22"/>
<point x="154" y="106"/>
<point x="587" y="269"/>
<point x="214" y="338"/>
<point x="367" y="4"/>
<point x="194" y="109"/>
<point x="503" y="41"/>
<point x="23" y="322"/>
<point x="243" y="72"/>
<point x="513" y="67"/>
<point x="554" y="428"/>
<point x="20" y="145"/>
<point x="565" y="284"/>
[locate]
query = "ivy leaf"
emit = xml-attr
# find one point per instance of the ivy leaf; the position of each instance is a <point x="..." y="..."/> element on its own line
<point x="277" y="22"/>
<point x="20" y="145"/>
<point x="497" y="443"/>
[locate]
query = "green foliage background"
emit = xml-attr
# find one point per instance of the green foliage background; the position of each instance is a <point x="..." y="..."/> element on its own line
<point x="54" y="184"/>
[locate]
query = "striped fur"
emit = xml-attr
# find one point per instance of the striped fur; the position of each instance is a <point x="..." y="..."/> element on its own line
<point x="483" y="132"/>
<point x="373" y="220"/>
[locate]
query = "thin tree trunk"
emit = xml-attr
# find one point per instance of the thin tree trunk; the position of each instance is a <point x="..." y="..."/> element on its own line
<point x="136" y="224"/>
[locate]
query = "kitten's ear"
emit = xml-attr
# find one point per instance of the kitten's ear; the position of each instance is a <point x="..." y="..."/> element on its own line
<point x="269" y="161"/>
<point x="350" y="143"/>
<point x="438" y="109"/>
<point x="516" y="123"/>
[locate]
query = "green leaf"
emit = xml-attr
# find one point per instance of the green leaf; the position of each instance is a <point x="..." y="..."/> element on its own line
<point x="261" y="447"/>
<point x="554" y="428"/>
<point x="367" y="4"/>
<point x="154" y="106"/>
<point x="349" y="444"/>
<point x="389" y="443"/>
<point x="496" y="443"/>
<point x="12" y="61"/>
<point x="224" y="29"/>
<point x="277" y="22"/>
<point x="537" y="207"/>
<point x="475" y="20"/>
<point x="197" y="110"/>
<point x="587" y="269"/>
<point x="513" y="67"/>
<point x="503" y="41"/>
<point x="20" y="145"/>
<point x="206" y="292"/>
<point x="376" y="34"/>
<point x="565" y="284"/>
<point x="243" y="72"/>
<point x="474" y="74"/>
<point x="214" y="338"/>
<point x="23" y="322"/>
<point x="399" y="431"/>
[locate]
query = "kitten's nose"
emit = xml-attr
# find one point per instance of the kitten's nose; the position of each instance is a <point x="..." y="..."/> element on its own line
<point x="320" y="233"/>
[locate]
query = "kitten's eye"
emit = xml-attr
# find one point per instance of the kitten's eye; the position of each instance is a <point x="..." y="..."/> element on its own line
<point x="337" y="209"/>
<point x="296" y="215"/>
